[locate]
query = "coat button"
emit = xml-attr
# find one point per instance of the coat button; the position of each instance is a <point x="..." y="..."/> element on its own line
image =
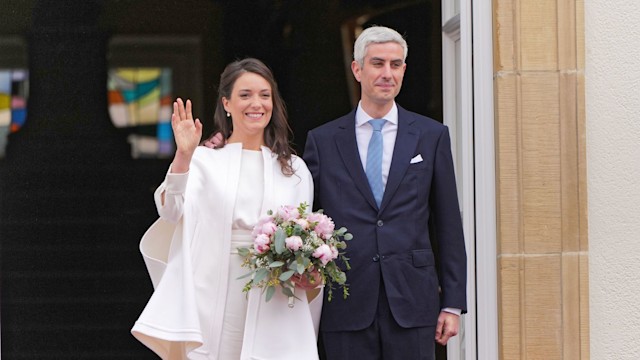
<point x="376" y="258"/>
<point x="380" y="223"/>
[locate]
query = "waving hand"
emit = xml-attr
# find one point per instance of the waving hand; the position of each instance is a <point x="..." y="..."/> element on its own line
<point x="187" y="133"/>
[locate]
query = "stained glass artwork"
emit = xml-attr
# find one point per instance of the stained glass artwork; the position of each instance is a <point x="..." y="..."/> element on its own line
<point x="141" y="99"/>
<point x="14" y="88"/>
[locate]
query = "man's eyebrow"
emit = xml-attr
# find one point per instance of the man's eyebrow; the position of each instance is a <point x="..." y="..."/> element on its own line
<point x="373" y="58"/>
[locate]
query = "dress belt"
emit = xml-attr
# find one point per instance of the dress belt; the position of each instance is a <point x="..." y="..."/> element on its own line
<point x="240" y="238"/>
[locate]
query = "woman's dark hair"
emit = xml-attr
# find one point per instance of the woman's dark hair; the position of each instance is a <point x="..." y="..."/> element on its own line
<point x="278" y="131"/>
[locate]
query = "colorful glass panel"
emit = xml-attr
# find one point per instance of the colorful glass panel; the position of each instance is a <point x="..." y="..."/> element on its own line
<point x="14" y="88"/>
<point x="141" y="99"/>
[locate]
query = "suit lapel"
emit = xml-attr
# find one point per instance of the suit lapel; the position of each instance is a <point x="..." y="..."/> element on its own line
<point x="406" y="142"/>
<point x="348" y="148"/>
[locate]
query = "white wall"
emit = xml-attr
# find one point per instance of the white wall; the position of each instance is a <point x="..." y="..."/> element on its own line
<point x="612" y="47"/>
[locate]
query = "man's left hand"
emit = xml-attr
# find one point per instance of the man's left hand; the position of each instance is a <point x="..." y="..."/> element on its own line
<point x="447" y="327"/>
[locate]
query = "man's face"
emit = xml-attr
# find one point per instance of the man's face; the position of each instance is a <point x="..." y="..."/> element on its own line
<point x="381" y="75"/>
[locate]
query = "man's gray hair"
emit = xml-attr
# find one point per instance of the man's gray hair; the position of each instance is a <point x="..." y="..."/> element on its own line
<point x="377" y="35"/>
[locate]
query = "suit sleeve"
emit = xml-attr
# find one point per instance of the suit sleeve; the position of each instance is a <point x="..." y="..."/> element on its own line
<point x="448" y="231"/>
<point x="312" y="159"/>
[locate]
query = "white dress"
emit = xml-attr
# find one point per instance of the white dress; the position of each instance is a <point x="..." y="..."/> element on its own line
<point x="198" y="310"/>
<point x="246" y="213"/>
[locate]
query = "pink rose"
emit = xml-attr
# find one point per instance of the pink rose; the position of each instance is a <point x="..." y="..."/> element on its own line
<point x="315" y="217"/>
<point x="261" y="243"/>
<point x="334" y="252"/>
<point x="294" y="243"/>
<point x="288" y="212"/>
<point x="265" y="225"/>
<point x="323" y="253"/>
<point x="304" y="224"/>
<point x="268" y="228"/>
<point x="324" y="227"/>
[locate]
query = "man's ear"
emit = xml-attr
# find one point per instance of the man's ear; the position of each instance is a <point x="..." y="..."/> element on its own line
<point x="355" y="69"/>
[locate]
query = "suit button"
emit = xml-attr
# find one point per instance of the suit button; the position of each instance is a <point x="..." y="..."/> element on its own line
<point x="376" y="258"/>
<point x="380" y="223"/>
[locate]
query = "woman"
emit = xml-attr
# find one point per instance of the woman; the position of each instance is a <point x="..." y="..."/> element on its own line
<point x="208" y="205"/>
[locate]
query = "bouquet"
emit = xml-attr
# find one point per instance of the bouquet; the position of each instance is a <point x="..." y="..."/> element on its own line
<point x="293" y="243"/>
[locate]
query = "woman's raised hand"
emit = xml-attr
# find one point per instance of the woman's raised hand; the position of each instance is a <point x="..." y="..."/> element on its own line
<point x="187" y="133"/>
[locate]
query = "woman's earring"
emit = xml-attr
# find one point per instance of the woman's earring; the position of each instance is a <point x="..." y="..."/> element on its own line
<point x="228" y="115"/>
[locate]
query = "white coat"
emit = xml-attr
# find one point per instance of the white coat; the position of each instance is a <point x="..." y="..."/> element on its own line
<point x="187" y="255"/>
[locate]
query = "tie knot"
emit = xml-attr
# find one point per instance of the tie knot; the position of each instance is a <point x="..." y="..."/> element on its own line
<point x="377" y="124"/>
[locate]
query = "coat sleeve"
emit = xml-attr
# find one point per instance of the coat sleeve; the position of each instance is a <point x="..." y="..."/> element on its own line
<point x="156" y="242"/>
<point x="184" y="314"/>
<point x="305" y="186"/>
<point x="173" y="187"/>
<point x="315" y="305"/>
<point x="448" y="228"/>
<point x="154" y="247"/>
<point x="170" y="321"/>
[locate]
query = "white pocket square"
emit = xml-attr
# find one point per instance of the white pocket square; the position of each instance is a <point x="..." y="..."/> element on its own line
<point x="416" y="159"/>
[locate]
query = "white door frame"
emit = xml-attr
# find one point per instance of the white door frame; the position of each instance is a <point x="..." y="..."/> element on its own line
<point x="467" y="35"/>
<point x="485" y="170"/>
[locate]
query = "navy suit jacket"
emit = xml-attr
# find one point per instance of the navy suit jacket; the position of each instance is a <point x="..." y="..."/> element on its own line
<point x="413" y="242"/>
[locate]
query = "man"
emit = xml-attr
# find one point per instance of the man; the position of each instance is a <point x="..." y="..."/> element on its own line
<point x="394" y="189"/>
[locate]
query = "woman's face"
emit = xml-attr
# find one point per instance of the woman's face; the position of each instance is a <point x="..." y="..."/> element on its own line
<point x="250" y="105"/>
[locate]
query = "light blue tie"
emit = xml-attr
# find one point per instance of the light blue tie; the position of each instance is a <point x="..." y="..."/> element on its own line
<point x="374" y="160"/>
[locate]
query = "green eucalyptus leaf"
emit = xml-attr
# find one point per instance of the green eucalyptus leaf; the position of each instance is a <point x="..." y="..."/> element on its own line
<point x="286" y="275"/>
<point x="287" y="291"/>
<point x="269" y="294"/>
<point x="276" y="264"/>
<point x="348" y="236"/>
<point x="260" y="275"/>
<point x="280" y="244"/>
<point x="245" y="275"/>
<point x="244" y="252"/>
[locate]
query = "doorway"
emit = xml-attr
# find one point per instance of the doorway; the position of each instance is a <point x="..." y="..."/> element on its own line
<point x="302" y="41"/>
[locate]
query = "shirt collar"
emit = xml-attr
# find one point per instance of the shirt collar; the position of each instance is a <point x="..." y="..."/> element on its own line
<point x="362" y="117"/>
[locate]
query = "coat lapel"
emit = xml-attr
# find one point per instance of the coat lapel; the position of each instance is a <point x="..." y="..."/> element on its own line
<point x="348" y="148"/>
<point x="406" y="142"/>
<point x="268" y="160"/>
